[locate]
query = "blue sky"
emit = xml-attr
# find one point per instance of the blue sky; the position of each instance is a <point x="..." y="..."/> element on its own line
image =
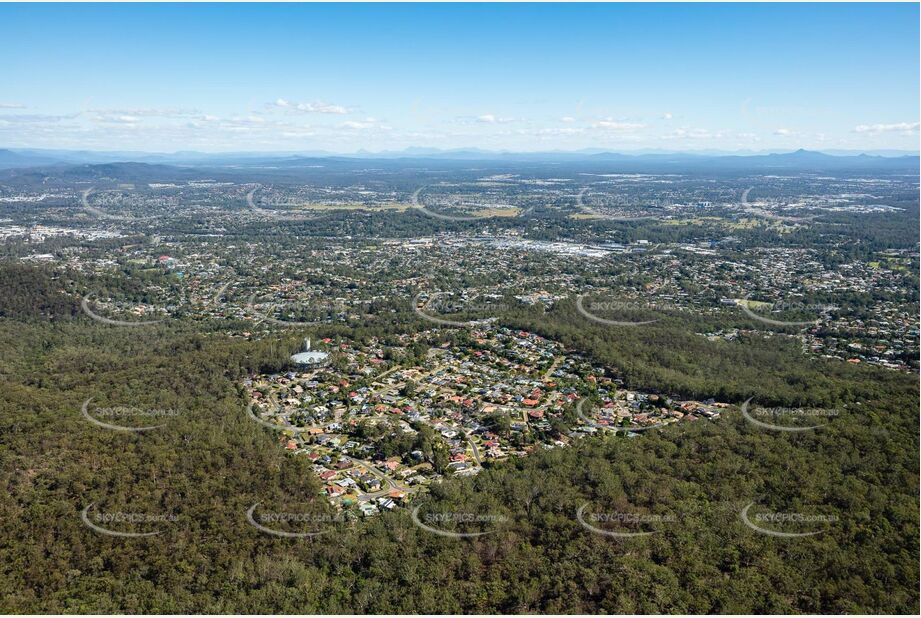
<point x="520" y="77"/>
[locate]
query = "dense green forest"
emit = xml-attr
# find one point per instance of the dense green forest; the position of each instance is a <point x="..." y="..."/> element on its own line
<point x="210" y="463"/>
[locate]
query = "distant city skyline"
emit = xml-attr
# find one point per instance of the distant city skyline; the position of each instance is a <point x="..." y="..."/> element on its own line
<point x="352" y="77"/>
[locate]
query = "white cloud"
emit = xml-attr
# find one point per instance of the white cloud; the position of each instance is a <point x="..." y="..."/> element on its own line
<point x="12" y="106"/>
<point x="363" y="125"/>
<point x="783" y="132"/>
<point x="311" y="108"/>
<point x="667" y="116"/>
<point x="614" y="125"/>
<point x="567" y="119"/>
<point x="908" y="127"/>
<point x="493" y="119"/>
<point x="121" y="120"/>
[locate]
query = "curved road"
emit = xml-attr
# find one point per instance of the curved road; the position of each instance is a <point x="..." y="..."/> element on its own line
<point x="476" y="452"/>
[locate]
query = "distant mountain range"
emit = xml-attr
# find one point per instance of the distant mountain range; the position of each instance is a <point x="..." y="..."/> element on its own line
<point x="632" y="161"/>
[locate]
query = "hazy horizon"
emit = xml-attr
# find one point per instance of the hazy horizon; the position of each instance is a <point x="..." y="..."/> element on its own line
<point x="426" y="150"/>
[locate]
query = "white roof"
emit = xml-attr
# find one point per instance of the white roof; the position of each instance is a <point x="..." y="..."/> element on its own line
<point x="309" y="358"/>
